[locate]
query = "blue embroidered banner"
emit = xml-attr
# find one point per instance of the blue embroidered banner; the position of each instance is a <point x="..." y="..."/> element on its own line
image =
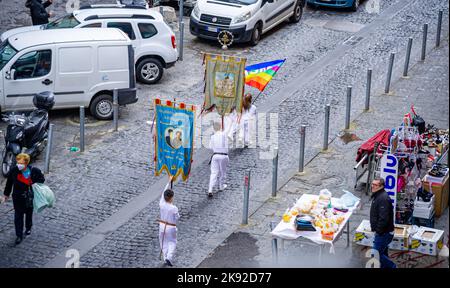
<point x="174" y="138"/>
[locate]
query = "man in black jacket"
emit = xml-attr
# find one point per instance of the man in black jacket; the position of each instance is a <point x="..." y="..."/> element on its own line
<point x="382" y="222"/>
<point x="20" y="179"/>
<point x="37" y="10"/>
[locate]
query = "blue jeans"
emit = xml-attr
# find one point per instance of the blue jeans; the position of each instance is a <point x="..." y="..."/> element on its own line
<point x="381" y="244"/>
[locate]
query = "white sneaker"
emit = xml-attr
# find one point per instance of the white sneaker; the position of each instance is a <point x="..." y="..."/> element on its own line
<point x="223" y="187"/>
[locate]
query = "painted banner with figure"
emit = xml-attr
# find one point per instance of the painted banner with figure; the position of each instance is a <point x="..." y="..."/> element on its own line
<point x="224" y="87"/>
<point x="174" y="138"/>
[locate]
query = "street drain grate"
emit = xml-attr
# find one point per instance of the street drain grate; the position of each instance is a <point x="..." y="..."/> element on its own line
<point x="352" y="41"/>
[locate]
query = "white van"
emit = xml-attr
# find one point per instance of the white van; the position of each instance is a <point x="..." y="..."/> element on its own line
<point x="247" y="20"/>
<point x="80" y="66"/>
<point x="153" y="40"/>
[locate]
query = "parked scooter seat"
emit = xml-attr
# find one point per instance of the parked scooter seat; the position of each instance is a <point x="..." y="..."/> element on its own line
<point x="34" y="121"/>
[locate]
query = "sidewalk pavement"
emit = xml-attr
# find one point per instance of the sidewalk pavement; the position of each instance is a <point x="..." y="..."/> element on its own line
<point x="427" y="88"/>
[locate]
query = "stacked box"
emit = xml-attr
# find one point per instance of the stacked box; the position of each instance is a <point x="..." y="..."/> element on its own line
<point x="424" y="210"/>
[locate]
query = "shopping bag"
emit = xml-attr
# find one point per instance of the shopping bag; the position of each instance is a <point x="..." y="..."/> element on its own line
<point x="43" y="197"/>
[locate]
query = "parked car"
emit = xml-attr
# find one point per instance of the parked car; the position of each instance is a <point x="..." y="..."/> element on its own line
<point x="152" y="39"/>
<point x="352" y="4"/>
<point x="80" y="66"/>
<point x="247" y="20"/>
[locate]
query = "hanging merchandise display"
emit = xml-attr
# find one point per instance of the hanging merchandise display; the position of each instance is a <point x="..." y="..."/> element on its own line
<point x="412" y="165"/>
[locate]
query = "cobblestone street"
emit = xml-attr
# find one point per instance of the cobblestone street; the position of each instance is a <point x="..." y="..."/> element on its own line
<point x="107" y="197"/>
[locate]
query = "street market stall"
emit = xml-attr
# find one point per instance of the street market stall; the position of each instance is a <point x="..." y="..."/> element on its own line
<point x="320" y="219"/>
<point x="413" y="150"/>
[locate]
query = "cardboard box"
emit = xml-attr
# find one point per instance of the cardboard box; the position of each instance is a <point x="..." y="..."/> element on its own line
<point x="363" y="235"/>
<point x="423" y="212"/>
<point x="421" y="204"/>
<point x="401" y="238"/>
<point x="440" y="191"/>
<point x="427" y="241"/>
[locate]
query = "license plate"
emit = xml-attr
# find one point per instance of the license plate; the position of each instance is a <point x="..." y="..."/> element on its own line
<point x="212" y="29"/>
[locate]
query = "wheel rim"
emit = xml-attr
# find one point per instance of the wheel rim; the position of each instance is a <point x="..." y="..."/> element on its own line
<point x="298" y="12"/>
<point x="150" y="71"/>
<point x="256" y="35"/>
<point x="104" y="108"/>
<point x="7" y="163"/>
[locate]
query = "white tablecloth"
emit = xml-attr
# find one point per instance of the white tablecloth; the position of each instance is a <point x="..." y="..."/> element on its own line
<point x="287" y="231"/>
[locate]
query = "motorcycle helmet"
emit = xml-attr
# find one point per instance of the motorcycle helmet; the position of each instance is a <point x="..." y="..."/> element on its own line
<point x="44" y="100"/>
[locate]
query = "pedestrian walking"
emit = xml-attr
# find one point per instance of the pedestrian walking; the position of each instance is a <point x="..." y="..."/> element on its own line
<point x="219" y="159"/>
<point x="382" y="222"/>
<point x="248" y="116"/>
<point x="38" y="13"/>
<point x="20" y="179"/>
<point x="168" y="224"/>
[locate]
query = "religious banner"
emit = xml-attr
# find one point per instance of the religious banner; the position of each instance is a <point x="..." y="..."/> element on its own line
<point x="174" y="138"/>
<point x="224" y="87"/>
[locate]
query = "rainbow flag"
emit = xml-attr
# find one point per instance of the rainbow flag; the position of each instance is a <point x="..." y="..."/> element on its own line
<point x="259" y="75"/>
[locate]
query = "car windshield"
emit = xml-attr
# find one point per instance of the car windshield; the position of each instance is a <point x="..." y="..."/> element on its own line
<point x="6" y="53"/>
<point x="243" y="2"/>
<point x="67" y="21"/>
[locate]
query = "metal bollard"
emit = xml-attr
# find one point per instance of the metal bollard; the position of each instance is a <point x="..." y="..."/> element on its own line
<point x="439" y="28"/>
<point x="181" y="30"/>
<point x="275" y="173"/>
<point x="116" y="109"/>
<point x="408" y="56"/>
<point x="389" y="74"/>
<point x="301" y="161"/>
<point x="246" y="198"/>
<point x="348" y="107"/>
<point x="82" y="128"/>
<point x="327" y="127"/>
<point x="181" y="41"/>
<point x="48" y="149"/>
<point x="424" y="41"/>
<point x="368" y="88"/>
<point x="274" y="244"/>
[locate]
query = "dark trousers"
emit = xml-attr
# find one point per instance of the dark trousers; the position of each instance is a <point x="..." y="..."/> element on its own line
<point x="19" y="213"/>
<point x="381" y="244"/>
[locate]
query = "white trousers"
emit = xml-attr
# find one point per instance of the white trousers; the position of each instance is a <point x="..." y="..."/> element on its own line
<point x="169" y="243"/>
<point x="218" y="171"/>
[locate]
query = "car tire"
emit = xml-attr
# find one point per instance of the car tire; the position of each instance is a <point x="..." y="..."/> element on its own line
<point x="256" y="35"/>
<point x="149" y="71"/>
<point x="355" y="5"/>
<point x="298" y="12"/>
<point x="102" y="107"/>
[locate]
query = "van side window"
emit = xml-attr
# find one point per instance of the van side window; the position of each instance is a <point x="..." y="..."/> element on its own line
<point x="93" y="25"/>
<point x="125" y="27"/>
<point x="147" y="30"/>
<point x="33" y="64"/>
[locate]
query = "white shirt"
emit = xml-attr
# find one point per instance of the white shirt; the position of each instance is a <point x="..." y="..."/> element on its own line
<point x="169" y="212"/>
<point x="219" y="142"/>
<point x="249" y="114"/>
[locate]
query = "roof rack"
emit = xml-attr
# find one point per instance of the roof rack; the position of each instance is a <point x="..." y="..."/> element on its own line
<point x="99" y="6"/>
<point x="134" y="16"/>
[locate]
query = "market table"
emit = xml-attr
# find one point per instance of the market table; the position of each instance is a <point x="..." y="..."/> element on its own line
<point x="287" y="230"/>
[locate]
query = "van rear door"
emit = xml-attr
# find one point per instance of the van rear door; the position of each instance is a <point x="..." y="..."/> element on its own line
<point x="34" y="72"/>
<point x="75" y="68"/>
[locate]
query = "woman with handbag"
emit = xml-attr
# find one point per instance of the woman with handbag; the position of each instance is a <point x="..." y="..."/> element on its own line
<point x="20" y="179"/>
